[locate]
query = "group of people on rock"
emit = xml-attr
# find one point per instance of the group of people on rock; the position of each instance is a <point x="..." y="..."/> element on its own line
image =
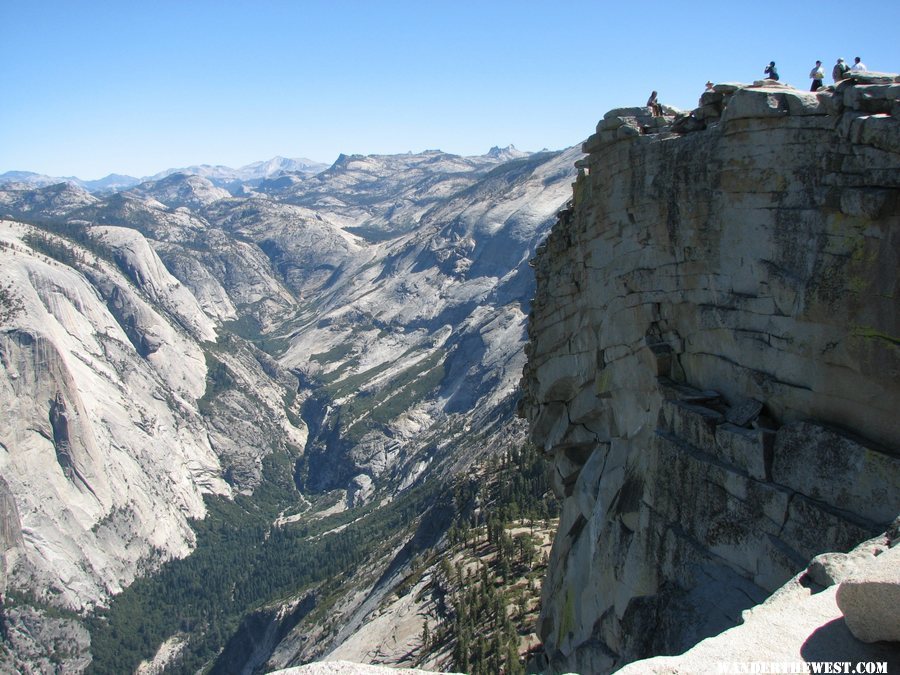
<point x="840" y="72"/>
<point x="817" y="74"/>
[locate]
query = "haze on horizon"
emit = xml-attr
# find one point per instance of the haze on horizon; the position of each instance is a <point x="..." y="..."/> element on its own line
<point x="140" y="88"/>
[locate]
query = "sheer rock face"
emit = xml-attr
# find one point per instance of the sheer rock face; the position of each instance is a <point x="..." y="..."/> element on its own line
<point x="713" y="362"/>
<point x="102" y="457"/>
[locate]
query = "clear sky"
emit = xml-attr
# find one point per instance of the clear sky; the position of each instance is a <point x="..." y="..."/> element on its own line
<point x="91" y="87"/>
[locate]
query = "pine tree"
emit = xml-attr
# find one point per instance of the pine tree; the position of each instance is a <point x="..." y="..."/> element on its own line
<point x="426" y="637"/>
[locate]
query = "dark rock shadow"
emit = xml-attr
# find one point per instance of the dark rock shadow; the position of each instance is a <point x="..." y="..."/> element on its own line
<point x="834" y="642"/>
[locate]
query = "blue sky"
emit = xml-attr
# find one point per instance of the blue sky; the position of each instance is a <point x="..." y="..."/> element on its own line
<point x="88" y="87"/>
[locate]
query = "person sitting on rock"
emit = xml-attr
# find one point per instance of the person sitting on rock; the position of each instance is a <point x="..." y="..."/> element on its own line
<point x="817" y="74"/>
<point x="858" y="66"/>
<point x="771" y="72"/>
<point x="840" y="70"/>
<point x="653" y="104"/>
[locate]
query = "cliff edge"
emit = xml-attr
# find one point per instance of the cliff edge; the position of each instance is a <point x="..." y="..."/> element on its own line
<point x="714" y="361"/>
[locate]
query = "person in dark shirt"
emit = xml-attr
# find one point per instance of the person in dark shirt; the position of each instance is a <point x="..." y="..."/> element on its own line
<point x="771" y="72"/>
<point x="840" y="70"/>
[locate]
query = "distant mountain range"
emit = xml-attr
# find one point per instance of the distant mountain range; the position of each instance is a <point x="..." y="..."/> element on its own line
<point x="219" y="175"/>
<point x="110" y="183"/>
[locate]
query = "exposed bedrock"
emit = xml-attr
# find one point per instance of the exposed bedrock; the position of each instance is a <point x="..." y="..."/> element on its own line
<point x="714" y="361"/>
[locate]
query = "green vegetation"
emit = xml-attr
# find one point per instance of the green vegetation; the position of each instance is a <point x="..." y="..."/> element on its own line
<point x="218" y="380"/>
<point x="248" y="327"/>
<point x="340" y="353"/>
<point x="15" y="597"/>
<point x="376" y="236"/>
<point x="54" y="247"/>
<point x="409" y="387"/>
<point x="241" y="563"/>
<point x="490" y="573"/>
<point x="516" y="487"/>
<point x="11" y="304"/>
<point x="368" y="409"/>
<point x="63" y="246"/>
<point x="337" y="353"/>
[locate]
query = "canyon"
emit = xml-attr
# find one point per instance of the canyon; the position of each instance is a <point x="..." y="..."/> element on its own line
<point x="283" y="390"/>
<point x="318" y="352"/>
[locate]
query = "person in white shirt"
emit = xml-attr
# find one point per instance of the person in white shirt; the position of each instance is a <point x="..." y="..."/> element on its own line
<point x="817" y="74"/>
<point x="858" y="66"/>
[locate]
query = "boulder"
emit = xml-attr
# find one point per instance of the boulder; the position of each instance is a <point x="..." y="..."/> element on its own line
<point x="829" y="569"/>
<point x="773" y="101"/>
<point x="708" y="112"/>
<point x="792" y="626"/>
<point x="873" y="77"/>
<point x="750" y="103"/>
<point x="870" y="599"/>
<point x="727" y="88"/>
<point x="634" y="111"/>
<point x="711" y="97"/>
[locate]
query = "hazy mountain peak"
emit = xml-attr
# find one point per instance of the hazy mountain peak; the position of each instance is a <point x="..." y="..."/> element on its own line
<point x="221" y="175"/>
<point x="113" y="181"/>
<point x="51" y="199"/>
<point x="507" y="153"/>
<point x="279" y="164"/>
<point x="182" y="189"/>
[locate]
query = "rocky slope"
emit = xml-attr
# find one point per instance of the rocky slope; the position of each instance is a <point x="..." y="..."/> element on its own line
<point x="105" y="458"/>
<point x="360" y="331"/>
<point x="713" y="361"/>
<point x="91" y="367"/>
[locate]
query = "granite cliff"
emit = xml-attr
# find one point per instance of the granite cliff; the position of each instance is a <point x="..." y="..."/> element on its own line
<point x="713" y="361"/>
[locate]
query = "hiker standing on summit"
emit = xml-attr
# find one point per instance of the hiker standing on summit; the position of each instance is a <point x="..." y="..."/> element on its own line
<point x="817" y="74"/>
<point x="840" y="70"/>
